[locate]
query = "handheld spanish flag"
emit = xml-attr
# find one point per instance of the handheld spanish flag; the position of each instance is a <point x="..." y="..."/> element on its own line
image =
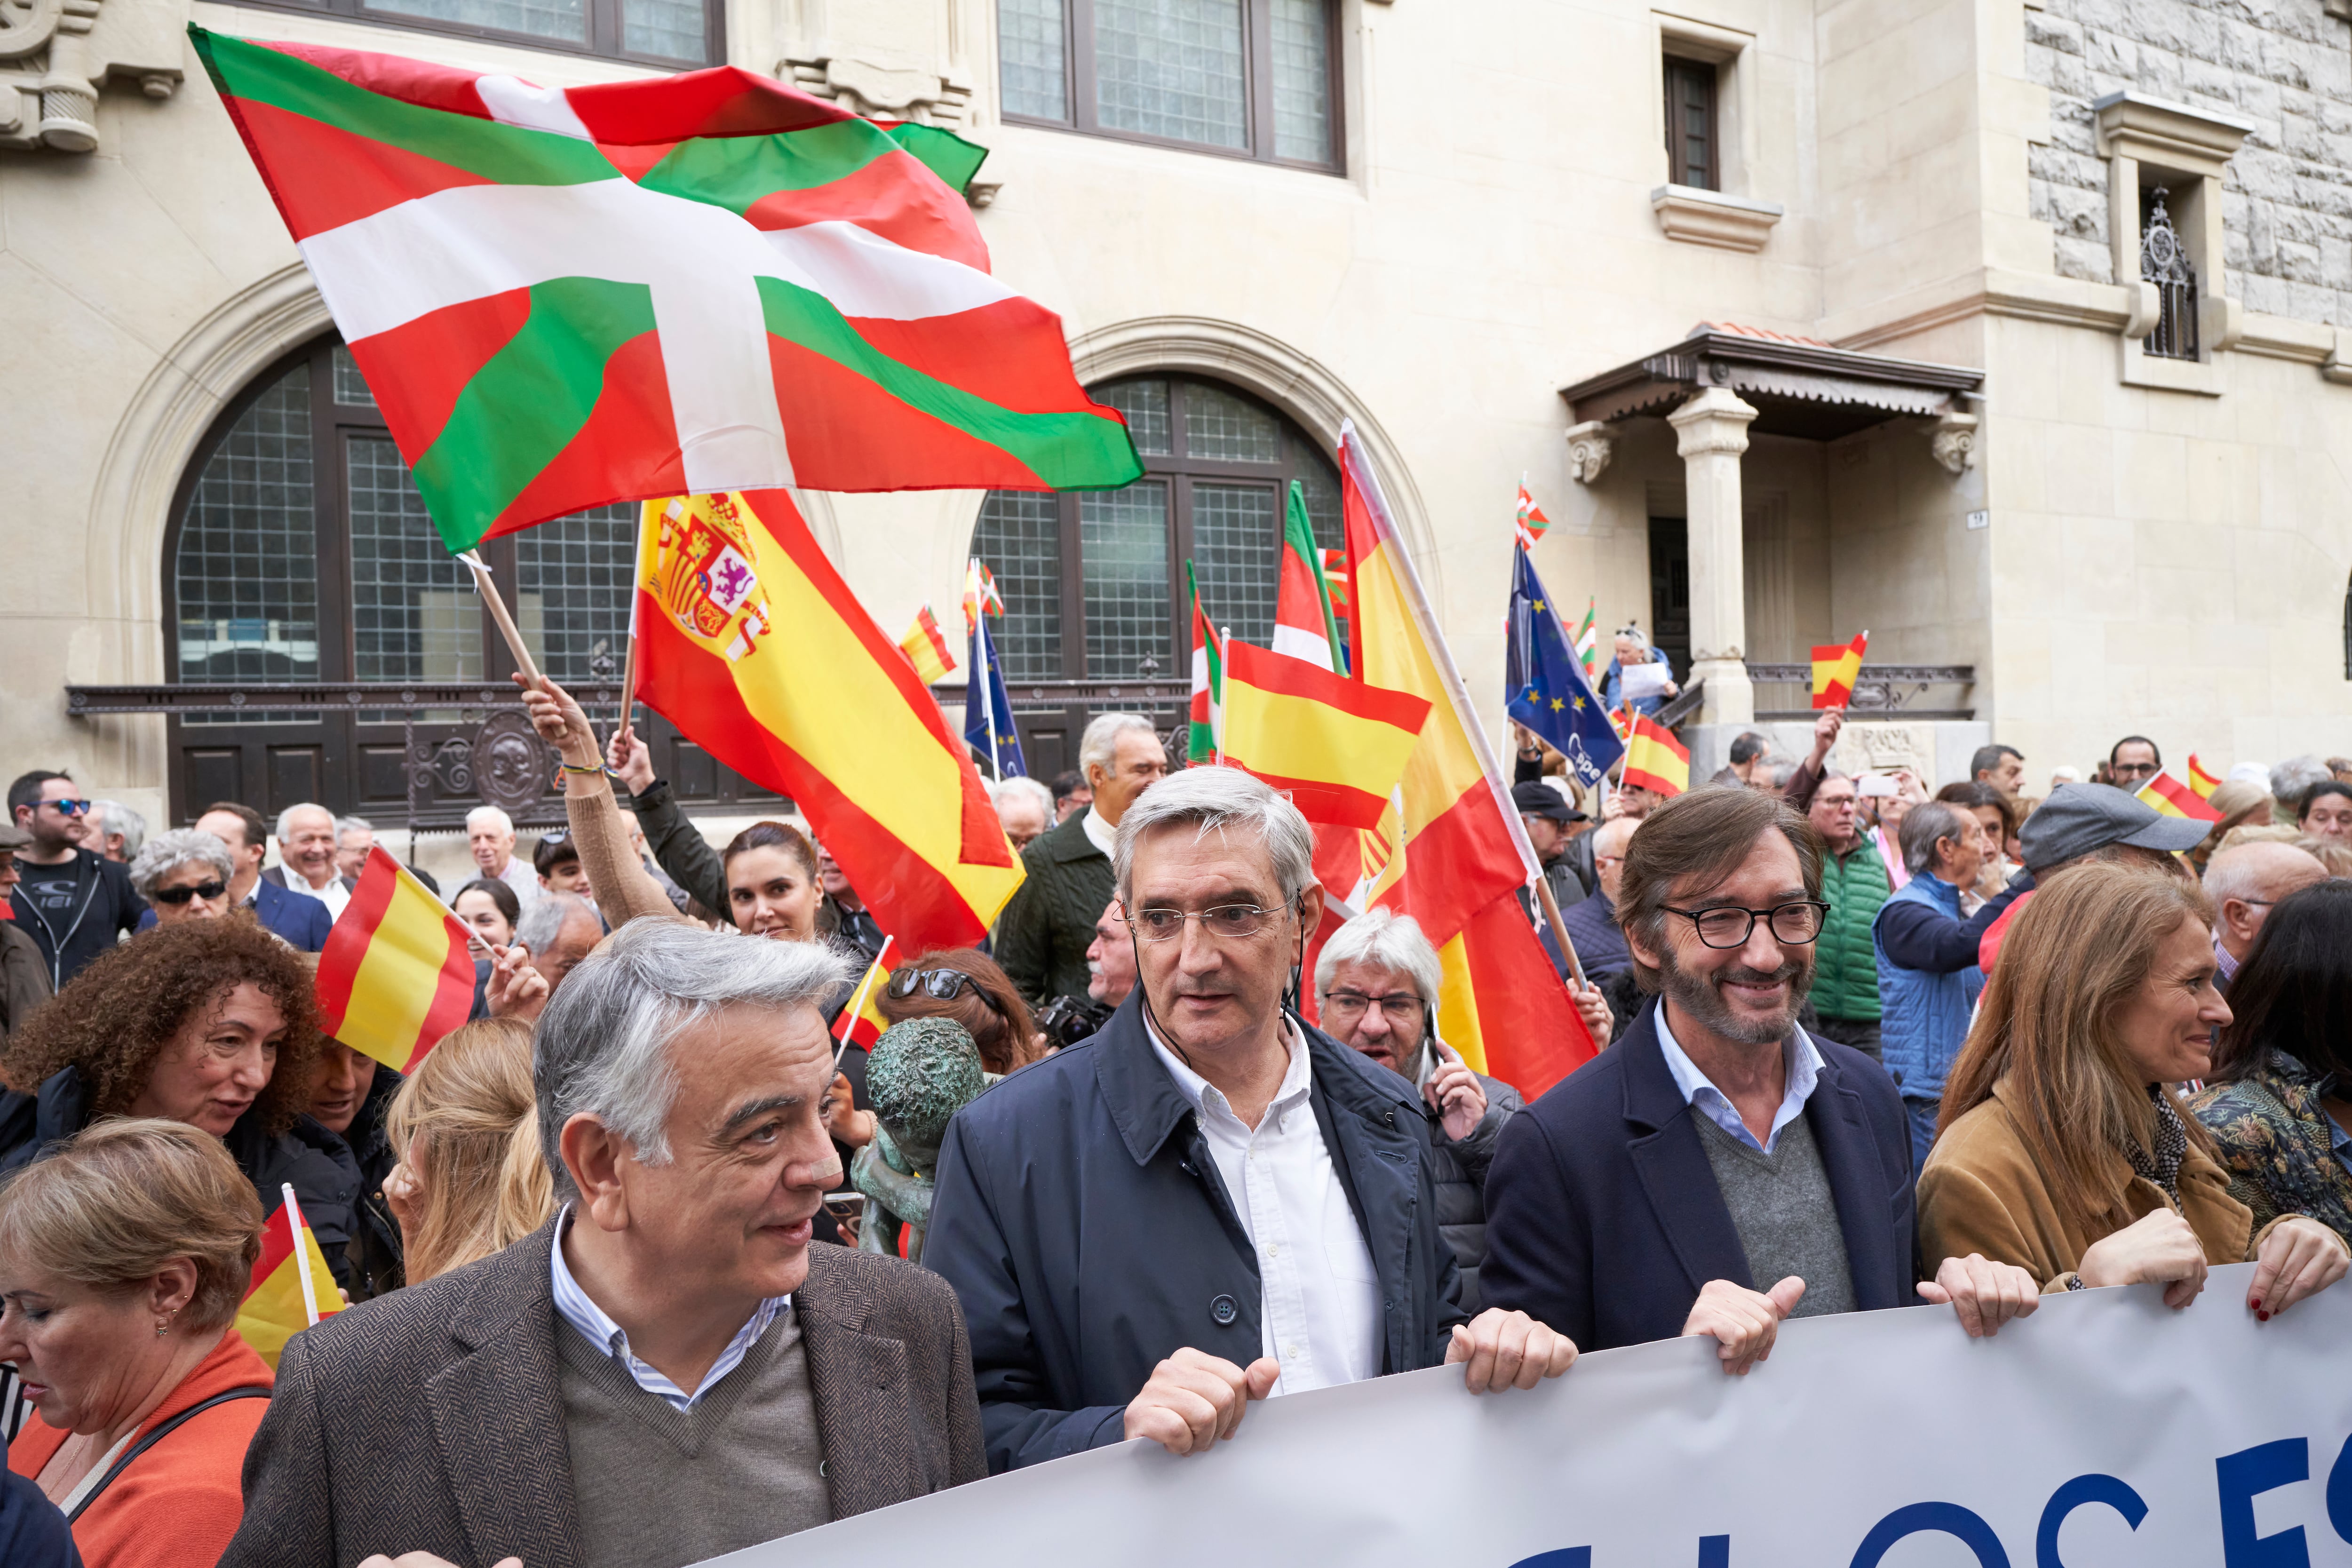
<point x="1836" y="666"/>
<point x="292" y="1287"/>
<point x="1654" y="760"/>
<point x="1336" y="746"/>
<point x="2171" y="797"/>
<point x="395" y="975"/>
<point x="2203" y="782"/>
<point x="750" y="641"/>
<point x="926" y="649"/>
<point x="861" y="1022"/>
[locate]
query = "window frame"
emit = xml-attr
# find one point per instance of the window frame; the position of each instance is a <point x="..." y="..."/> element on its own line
<point x="604" y="28"/>
<point x="1676" y="68"/>
<point x="1079" y="90"/>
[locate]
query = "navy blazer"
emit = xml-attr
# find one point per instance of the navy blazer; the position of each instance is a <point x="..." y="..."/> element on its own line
<point x="1081" y="1218"/>
<point x="1604" y="1218"/>
<point x="300" y="919"/>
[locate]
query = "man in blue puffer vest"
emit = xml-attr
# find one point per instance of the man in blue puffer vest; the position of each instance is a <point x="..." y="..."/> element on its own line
<point x="1927" y="974"/>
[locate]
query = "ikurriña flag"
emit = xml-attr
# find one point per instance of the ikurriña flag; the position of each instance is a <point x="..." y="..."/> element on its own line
<point x="751" y="643"/>
<point x="703" y="282"/>
<point x="291" y="1287"/>
<point x="395" y="975"/>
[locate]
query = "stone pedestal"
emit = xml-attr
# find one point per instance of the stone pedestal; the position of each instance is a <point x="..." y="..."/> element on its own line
<point x="1712" y="433"/>
<point x="1939" y="748"/>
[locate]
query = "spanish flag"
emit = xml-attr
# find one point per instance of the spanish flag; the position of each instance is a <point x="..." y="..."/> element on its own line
<point x="395" y="975"/>
<point x="292" y="1287"/>
<point x="1656" y="760"/>
<point x="861" y="1022"/>
<point x="926" y="649"/>
<point x="1450" y="850"/>
<point x="1836" y="666"/>
<point x="2203" y="782"/>
<point x="751" y="643"/>
<point x="2173" y="798"/>
<point x="1336" y="746"/>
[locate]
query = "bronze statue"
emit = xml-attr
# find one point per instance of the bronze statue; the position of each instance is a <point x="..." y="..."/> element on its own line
<point x="922" y="1071"/>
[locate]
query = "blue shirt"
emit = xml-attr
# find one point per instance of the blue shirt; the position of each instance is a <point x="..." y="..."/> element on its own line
<point x="576" y="1307"/>
<point x="1804" y="1061"/>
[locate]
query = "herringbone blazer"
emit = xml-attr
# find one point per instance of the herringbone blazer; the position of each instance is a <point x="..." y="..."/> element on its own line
<point x="431" y="1419"/>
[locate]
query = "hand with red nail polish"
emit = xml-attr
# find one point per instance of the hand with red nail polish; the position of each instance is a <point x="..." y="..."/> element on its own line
<point x="2298" y="1257"/>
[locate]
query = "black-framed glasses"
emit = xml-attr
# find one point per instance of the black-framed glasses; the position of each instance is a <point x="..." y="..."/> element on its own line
<point x="1796" y="922"/>
<point x="206" y="891"/>
<point x="940" y="985"/>
<point x="1344" y="1007"/>
<point x="1230" y="923"/>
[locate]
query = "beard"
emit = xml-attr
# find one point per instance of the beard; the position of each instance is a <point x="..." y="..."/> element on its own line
<point x="1701" y="996"/>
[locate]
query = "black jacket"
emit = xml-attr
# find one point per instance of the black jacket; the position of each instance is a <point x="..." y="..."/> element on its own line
<point x="101" y="910"/>
<point x="1604" y="1218"/>
<point x="325" y="1178"/>
<point x="1459" y="1171"/>
<point x="375" y="1243"/>
<point x="1082" y="1220"/>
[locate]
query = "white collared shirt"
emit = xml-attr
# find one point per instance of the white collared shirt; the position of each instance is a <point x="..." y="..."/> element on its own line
<point x="1803" y="1060"/>
<point x="1099" y="834"/>
<point x="334" y="895"/>
<point x="1319" y="1307"/>
<point x="578" y="1309"/>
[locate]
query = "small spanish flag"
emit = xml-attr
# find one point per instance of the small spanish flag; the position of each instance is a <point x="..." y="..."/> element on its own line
<point x="926" y="649"/>
<point x="1654" y="760"/>
<point x="395" y="975"/>
<point x="2203" y="782"/>
<point x="292" y="1287"/>
<point x="1336" y="746"/>
<point x="1836" y="666"/>
<point x="861" y="1022"/>
<point x="2171" y="797"/>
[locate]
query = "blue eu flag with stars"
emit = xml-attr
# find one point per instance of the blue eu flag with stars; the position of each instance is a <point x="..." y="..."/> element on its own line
<point x="1546" y="685"/>
<point x="987" y="713"/>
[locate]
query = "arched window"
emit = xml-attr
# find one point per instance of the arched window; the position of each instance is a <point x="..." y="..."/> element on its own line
<point x="1094" y="581"/>
<point x="302" y="552"/>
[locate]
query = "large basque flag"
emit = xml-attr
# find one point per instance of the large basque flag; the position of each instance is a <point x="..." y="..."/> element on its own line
<point x="749" y="642"/>
<point x="566" y="297"/>
<point x="1545" y="685"/>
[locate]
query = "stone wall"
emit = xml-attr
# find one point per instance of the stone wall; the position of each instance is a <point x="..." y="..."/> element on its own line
<point x="2286" y="65"/>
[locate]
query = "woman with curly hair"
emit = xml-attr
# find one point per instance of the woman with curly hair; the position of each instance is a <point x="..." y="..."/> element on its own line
<point x="207" y="1022"/>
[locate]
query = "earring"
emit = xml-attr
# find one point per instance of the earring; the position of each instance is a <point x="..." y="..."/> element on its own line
<point x="162" y="1327"/>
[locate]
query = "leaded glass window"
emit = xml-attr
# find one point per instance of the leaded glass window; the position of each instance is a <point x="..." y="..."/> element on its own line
<point x="1019" y="537"/>
<point x="1255" y="79"/>
<point x="572" y="598"/>
<point x="247" y="564"/>
<point x="658" y="31"/>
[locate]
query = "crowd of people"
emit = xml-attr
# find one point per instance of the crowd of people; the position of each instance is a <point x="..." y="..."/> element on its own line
<point x="1863" y="1044"/>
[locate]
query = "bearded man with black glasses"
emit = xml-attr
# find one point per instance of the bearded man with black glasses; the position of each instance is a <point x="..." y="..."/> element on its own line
<point x="1209" y="1201"/>
<point x="1718" y="1170"/>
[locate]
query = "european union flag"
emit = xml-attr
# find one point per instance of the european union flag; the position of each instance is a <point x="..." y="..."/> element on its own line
<point x="1547" y="691"/>
<point x="987" y="711"/>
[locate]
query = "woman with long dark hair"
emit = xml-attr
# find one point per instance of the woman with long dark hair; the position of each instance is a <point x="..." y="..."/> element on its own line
<point x="2278" y="1097"/>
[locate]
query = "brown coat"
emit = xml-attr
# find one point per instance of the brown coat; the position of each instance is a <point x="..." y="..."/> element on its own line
<point x="430" y="1419"/>
<point x="1982" y="1192"/>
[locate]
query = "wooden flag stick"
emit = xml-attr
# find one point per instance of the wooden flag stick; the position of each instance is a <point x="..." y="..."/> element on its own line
<point x="628" y="681"/>
<point x="490" y="596"/>
<point x="1551" y="914"/>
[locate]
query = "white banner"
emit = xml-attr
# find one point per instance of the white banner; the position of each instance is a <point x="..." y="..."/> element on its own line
<point x="2104" y="1432"/>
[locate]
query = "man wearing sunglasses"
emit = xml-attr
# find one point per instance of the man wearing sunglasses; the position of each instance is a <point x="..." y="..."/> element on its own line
<point x="73" y="903"/>
<point x="1718" y="1170"/>
<point x="1207" y="1202"/>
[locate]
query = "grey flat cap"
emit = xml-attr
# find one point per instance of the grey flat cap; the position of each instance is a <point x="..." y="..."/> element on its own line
<point x="2080" y="818"/>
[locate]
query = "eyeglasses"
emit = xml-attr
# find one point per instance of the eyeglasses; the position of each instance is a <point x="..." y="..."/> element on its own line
<point x="1796" y="924"/>
<point x="2132" y="769"/>
<point x="940" y="985"/>
<point x="70" y="807"/>
<point x="1228" y="923"/>
<point x="206" y="891"/>
<point x="1344" y="1007"/>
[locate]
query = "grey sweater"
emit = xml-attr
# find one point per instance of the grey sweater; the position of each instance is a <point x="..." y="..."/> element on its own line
<point x="1786" y="1215"/>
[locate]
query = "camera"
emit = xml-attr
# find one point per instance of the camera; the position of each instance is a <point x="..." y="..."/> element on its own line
<point x="1066" y="1020"/>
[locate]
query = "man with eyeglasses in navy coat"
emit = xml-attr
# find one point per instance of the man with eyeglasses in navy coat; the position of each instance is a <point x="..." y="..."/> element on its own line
<point x="1208" y="1202"/>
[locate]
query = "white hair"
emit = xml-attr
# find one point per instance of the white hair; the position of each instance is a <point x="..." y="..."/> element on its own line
<point x="545" y="918"/>
<point x="1099" y="745"/>
<point x="489" y="814"/>
<point x="114" y="817"/>
<point x="353" y="825"/>
<point x="1212" y="800"/>
<point x="2293" y="778"/>
<point x="1038" y="794"/>
<point x="286" y="819"/>
<point x="1385" y="940"/>
<point x="167" y="852"/>
<point x="603" y="1045"/>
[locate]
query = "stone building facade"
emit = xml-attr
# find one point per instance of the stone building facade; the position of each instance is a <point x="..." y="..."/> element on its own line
<point x="1486" y="234"/>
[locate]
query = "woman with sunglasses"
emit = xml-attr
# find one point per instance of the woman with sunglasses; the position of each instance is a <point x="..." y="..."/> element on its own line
<point x="184" y="875"/>
<point x="967" y="986"/>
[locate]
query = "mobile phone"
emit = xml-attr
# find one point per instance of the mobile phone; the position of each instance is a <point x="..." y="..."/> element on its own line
<point x="846" y="1205"/>
<point x="1878" y="785"/>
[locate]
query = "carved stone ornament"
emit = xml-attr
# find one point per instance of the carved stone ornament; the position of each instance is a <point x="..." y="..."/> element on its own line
<point x="510" y="762"/>
<point x="1882" y="748"/>
<point x="1589" y="446"/>
<point x="1955" y="441"/>
<point x="877" y="90"/>
<point x="54" y="56"/>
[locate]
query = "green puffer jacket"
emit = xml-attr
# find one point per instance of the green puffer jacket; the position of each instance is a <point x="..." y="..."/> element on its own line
<point x="1846" y="970"/>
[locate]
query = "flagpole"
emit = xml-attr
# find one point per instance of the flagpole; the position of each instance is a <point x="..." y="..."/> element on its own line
<point x="490" y="596"/>
<point x="857" y="1004"/>
<point x="629" y="661"/>
<point x="986" y="675"/>
<point x="293" y="1211"/>
<point x="1224" y="636"/>
<point x="1433" y="637"/>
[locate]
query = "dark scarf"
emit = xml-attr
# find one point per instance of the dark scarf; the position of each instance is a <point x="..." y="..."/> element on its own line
<point x="2163" y="1167"/>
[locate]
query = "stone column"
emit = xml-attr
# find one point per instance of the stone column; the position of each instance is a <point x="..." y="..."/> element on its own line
<point x="1713" y="431"/>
